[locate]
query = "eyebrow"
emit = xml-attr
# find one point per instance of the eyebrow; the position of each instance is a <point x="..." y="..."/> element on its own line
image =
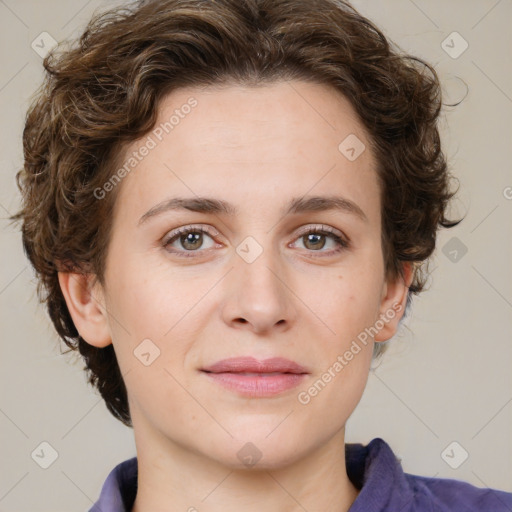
<point x="217" y="206"/>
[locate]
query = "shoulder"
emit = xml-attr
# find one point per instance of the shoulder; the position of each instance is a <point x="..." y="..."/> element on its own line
<point x="384" y="487"/>
<point x="120" y="488"/>
<point x="446" y="494"/>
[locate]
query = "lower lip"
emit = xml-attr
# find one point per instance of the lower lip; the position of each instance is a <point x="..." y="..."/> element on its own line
<point x="257" y="385"/>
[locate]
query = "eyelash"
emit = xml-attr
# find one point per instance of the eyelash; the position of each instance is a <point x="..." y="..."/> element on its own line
<point x="317" y="230"/>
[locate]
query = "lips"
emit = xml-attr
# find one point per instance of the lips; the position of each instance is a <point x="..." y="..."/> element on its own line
<point x="251" y="366"/>
<point x="250" y="378"/>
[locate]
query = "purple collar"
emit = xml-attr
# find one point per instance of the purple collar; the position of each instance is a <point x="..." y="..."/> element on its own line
<point x="374" y="469"/>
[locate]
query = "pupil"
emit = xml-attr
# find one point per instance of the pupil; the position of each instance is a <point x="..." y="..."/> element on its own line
<point x="191" y="238"/>
<point x="315" y="239"/>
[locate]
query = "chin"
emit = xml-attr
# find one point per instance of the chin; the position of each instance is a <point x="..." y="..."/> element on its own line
<point x="259" y="448"/>
<point x="250" y="457"/>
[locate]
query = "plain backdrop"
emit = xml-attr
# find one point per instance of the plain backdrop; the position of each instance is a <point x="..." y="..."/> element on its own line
<point x="442" y="393"/>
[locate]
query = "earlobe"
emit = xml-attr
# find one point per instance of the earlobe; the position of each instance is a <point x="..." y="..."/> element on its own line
<point x="86" y="306"/>
<point x="393" y="303"/>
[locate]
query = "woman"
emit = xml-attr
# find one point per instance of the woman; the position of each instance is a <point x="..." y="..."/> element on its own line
<point x="229" y="206"/>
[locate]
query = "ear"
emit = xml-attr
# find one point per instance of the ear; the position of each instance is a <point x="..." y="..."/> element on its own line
<point x="86" y="306"/>
<point x="393" y="302"/>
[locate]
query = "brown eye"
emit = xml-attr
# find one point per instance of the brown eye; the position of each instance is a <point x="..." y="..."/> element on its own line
<point x="192" y="240"/>
<point x="315" y="239"/>
<point x="188" y="240"/>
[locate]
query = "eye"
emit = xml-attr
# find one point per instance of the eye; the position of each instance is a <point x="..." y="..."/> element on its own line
<point x="316" y="238"/>
<point x="189" y="239"/>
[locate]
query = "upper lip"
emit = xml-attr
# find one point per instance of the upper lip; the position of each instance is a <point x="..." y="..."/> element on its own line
<point x="252" y="365"/>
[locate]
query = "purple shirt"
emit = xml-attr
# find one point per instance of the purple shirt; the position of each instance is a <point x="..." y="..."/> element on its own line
<point x="374" y="469"/>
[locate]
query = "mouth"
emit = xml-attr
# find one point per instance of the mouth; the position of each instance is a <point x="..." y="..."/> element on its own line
<point x="250" y="365"/>
<point x="249" y="377"/>
<point x="254" y="374"/>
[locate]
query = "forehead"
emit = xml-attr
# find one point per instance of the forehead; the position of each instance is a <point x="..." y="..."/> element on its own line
<point x="229" y="114"/>
<point x="286" y="138"/>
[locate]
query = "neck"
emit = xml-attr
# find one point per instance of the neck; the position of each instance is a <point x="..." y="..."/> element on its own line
<point x="172" y="477"/>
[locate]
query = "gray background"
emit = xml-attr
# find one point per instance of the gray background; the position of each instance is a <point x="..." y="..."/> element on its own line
<point x="446" y="377"/>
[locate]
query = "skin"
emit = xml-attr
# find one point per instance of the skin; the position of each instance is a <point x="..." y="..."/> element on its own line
<point x="255" y="148"/>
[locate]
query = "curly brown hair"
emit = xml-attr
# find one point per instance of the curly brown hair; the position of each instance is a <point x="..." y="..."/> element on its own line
<point x="103" y="92"/>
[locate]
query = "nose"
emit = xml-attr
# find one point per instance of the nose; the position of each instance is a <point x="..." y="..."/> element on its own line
<point x="258" y="296"/>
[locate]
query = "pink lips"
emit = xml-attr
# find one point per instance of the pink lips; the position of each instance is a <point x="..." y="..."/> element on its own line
<point x="254" y="378"/>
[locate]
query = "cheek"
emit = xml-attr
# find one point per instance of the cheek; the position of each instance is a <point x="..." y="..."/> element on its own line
<point x="141" y="291"/>
<point x="149" y="302"/>
<point x="342" y="374"/>
<point x="346" y="302"/>
<point x="151" y="335"/>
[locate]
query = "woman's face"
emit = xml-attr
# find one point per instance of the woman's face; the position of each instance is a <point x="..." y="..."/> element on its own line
<point x="254" y="283"/>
